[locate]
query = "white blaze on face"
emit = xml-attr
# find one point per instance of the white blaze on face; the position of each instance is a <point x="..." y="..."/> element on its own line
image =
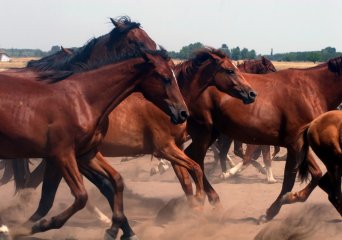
<point x="174" y="75"/>
<point x="4" y="229"/>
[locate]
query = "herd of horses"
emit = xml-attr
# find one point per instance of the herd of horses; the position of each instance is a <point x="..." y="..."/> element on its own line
<point x="121" y="95"/>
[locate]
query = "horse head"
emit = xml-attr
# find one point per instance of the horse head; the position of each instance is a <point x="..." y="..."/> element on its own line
<point x="161" y="85"/>
<point x="226" y="76"/>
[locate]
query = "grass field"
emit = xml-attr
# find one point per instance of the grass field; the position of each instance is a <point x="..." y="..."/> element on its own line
<point x="21" y="62"/>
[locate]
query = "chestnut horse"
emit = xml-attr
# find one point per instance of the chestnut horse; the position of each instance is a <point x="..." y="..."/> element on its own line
<point x="261" y="66"/>
<point x="324" y="136"/>
<point x="287" y="100"/>
<point x="62" y="122"/>
<point x="137" y="126"/>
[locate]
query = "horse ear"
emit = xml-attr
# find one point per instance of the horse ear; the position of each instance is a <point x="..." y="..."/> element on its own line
<point x="216" y="58"/>
<point x="66" y="50"/>
<point x="115" y="23"/>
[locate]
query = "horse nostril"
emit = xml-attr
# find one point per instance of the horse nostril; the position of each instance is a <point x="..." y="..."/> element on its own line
<point x="184" y="114"/>
<point x="252" y="94"/>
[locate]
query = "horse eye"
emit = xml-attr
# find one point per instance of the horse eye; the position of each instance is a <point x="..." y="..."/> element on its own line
<point x="167" y="80"/>
<point x="230" y="71"/>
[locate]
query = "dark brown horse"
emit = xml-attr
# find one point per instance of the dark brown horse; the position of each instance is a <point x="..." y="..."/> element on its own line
<point x="287" y="100"/>
<point x="324" y="136"/>
<point x="65" y="120"/>
<point x="137" y="126"/>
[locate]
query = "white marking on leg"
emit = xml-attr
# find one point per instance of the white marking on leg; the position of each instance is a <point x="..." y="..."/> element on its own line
<point x="269" y="174"/>
<point x="4" y="229"/>
<point x="235" y="169"/>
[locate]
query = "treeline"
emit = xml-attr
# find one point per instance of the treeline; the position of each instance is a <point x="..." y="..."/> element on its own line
<point x="15" y="52"/>
<point x="311" y="56"/>
<point x="234" y="53"/>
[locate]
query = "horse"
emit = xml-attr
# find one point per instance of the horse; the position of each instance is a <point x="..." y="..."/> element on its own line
<point x="287" y="100"/>
<point x="260" y="66"/>
<point x="324" y="136"/>
<point x="137" y="126"/>
<point x="71" y="126"/>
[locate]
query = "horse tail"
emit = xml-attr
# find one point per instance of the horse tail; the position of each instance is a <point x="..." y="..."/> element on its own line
<point x="7" y="173"/>
<point x="303" y="172"/>
<point x="21" y="173"/>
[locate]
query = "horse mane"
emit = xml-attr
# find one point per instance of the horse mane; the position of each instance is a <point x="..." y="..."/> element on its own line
<point x="335" y="65"/>
<point x="122" y="25"/>
<point x="186" y="70"/>
<point x="53" y="76"/>
<point x="80" y="57"/>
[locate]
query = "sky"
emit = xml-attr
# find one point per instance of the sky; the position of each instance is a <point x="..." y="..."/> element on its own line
<point x="285" y="26"/>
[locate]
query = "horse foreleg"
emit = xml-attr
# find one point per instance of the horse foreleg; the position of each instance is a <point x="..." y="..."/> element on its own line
<point x="266" y="153"/>
<point x="111" y="185"/>
<point x="176" y="156"/>
<point x="67" y="165"/>
<point x="335" y="196"/>
<point x="197" y="150"/>
<point x="290" y="173"/>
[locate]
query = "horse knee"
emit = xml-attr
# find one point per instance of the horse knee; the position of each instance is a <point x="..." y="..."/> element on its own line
<point x="81" y="200"/>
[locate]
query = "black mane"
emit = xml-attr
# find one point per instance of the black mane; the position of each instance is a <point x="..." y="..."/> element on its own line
<point x="335" y="65"/>
<point x="59" y="69"/>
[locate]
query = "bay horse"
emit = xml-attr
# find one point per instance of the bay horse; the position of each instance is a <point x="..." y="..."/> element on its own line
<point x="287" y="100"/>
<point x="259" y="66"/>
<point x="63" y="122"/>
<point x="137" y="126"/>
<point x="324" y="136"/>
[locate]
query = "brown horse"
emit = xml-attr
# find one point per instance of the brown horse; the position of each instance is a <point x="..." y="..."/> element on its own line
<point x="287" y="100"/>
<point x="259" y="66"/>
<point x="65" y="121"/>
<point x="324" y="136"/>
<point x="137" y="126"/>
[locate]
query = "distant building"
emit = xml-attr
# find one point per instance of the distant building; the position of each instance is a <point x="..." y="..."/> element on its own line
<point x="4" y="57"/>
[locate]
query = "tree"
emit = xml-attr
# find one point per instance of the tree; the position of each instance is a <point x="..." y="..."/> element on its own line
<point x="224" y="48"/>
<point x="186" y="51"/>
<point x="251" y="54"/>
<point x="244" y="53"/>
<point x="235" y="53"/>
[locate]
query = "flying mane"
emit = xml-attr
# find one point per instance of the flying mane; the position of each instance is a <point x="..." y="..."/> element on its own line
<point x="80" y="57"/>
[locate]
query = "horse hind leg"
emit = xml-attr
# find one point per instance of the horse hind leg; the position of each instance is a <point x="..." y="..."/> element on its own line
<point x="266" y="153"/>
<point x="67" y="165"/>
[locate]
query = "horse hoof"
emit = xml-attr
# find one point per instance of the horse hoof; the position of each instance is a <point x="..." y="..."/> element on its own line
<point x="225" y="175"/>
<point x="107" y="236"/>
<point x="4" y="233"/>
<point x="262" y="219"/>
<point x="134" y="237"/>
<point x="271" y="181"/>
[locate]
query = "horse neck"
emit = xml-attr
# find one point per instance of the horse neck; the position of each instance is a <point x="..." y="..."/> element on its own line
<point x="104" y="88"/>
<point x="194" y="83"/>
<point x="328" y="88"/>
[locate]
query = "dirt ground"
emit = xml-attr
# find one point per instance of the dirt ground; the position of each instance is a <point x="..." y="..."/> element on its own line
<point x="156" y="208"/>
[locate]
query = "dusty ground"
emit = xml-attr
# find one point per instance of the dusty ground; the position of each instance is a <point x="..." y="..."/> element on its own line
<point x="147" y="199"/>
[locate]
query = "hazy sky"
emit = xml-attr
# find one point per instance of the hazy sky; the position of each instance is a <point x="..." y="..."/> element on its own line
<point x="288" y="25"/>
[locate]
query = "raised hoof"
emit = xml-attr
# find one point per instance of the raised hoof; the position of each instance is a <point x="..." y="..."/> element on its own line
<point x="134" y="237"/>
